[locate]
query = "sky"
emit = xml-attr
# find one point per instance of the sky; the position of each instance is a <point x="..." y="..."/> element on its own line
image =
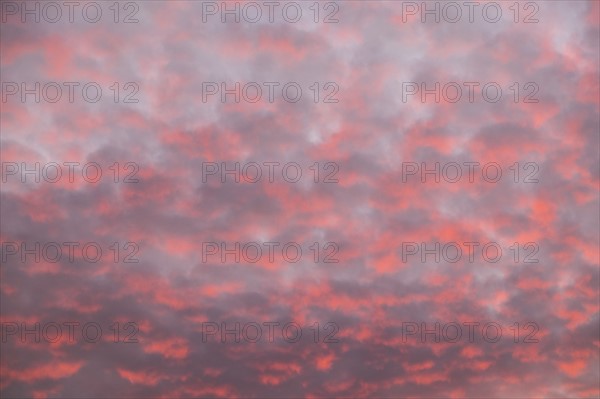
<point x="365" y="199"/>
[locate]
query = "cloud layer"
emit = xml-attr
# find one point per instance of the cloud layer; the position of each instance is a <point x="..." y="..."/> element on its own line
<point x="367" y="211"/>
